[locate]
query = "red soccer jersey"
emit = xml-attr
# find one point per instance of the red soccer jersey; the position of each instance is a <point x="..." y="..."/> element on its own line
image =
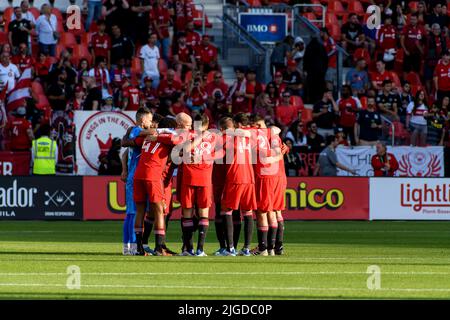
<point x="166" y="89"/>
<point x="101" y="44"/>
<point x="348" y="109"/>
<point x="22" y="62"/>
<point x="200" y="174"/>
<point x="378" y="78"/>
<point x="42" y="69"/>
<point x="386" y="37"/>
<point x="184" y="54"/>
<point x="238" y="160"/>
<point x="192" y="39"/>
<point x="211" y="89"/>
<point x="183" y="13"/>
<point x="18" y="132"/>
<point x="264" y="149"/>
<point x="442" y="72"/>
<point x="161" y="16"/>
<point x="153" y="158"/>
<point x="134" y="97"/>
<point x="413" y="35"/>
<point x="198" y="97"/>
<point x="206" y="54"/>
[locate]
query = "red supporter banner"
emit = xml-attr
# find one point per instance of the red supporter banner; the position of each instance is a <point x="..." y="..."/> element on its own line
<point x="15" y="163"/>
<point x="306" y="199"/>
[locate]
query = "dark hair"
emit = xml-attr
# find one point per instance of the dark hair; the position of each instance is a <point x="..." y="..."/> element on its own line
<point x="167" y="122"/>
<point x="387" y="81"/>
<point x="223" y="121"/>
<point x="330" y="139"/>
<point x="256" y="118"/>
<point x="142" y="112"/>
<point x="309" y="125"/>
<point x="44" y="130"/>
<point x="298" y="135"/>
<point x="157" y="118"/>
<point x="416" y="99"/>
<point x="101" y="22"/>
<point x="203" y="118"/>
<point x="241" y="118"/>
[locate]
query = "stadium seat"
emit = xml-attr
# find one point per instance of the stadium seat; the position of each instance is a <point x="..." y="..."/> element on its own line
<point x="331" y="19"/>
<point x="42" y="102"/>
<point x="413" y="6"/>
<point x="307" y="115"/>
<point x="58" y="15"/>
<point x="310" y="16"/>
<point x="336" y="7"/>
<point x="162" y="66"/>
<point x="210" y="76"/>
<point x="254" y="3"/>
<point x="8" y="13"/>
<point x="35" y="12"/>
<point x="68" y="39"/>
<point x="136" y="65"/>
<point x="363" y="101"/>
<point x="356" y="7"/>
<point x="59" y="48"/>
<point x="37" y="88"/>
<point x="362" y="53"/>
<point x="335" y="31"/>
<point x="396" y="79"/>
<point x="188" y="77"/>
<point x="297" y="101"/>
<point x="317" y="10"/>
<point x="414" y="79"/>
<point x="3" y="37"/>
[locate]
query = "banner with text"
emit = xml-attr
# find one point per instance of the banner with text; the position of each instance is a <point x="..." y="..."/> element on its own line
<point x="409" y="199"/>
<point x="15" y="163"/>
<point x="95" y="132"/>
<point x="41" y="198"/>
<point x="413" y="161"/>
<point x="265" y="27"/>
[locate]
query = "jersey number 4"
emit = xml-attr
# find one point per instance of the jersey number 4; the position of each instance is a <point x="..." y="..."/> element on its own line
<point x="147" y="146"/>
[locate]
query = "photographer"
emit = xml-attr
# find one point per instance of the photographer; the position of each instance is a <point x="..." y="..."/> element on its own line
<point x="197" y="95"/>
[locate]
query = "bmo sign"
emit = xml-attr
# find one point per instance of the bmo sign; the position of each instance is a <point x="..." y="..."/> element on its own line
<point x="264" y="27"/>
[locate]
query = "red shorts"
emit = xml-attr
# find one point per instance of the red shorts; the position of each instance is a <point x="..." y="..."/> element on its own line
<point x="279" y="191"/>
<point x="265" y="195"/>
<point x="239" y="196"/>
<point x="199" y="196"/>
<point x="167" y="198"/>
<point x="151" y="190"/>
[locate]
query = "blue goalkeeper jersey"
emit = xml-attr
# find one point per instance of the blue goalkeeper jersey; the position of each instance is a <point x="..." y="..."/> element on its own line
<point x="133" y="153"/>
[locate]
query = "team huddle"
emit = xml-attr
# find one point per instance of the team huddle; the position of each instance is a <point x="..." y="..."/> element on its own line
<point x="239" y="168"/>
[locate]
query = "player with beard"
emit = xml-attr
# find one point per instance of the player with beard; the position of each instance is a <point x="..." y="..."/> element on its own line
<point x="130" y="160"/>
<point x="148" y="183"/>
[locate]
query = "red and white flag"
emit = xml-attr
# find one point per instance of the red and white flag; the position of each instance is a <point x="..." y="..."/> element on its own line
<point x="21" y="91"/>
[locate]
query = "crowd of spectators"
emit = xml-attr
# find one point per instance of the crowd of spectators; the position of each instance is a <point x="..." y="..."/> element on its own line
<point x="398" y="73"/>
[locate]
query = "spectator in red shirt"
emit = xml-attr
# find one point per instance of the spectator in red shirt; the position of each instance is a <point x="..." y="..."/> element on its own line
<point x="384" y="164"/>
<point x="131" y="96"/>
<point x="183" y="56"/>
<point x="192" y="37"/>
<point x="236" y="94"/>
<point x="412" y="40"/>
<point x="286" y="113"/>
<point x="348" y="108"/>
<point x="386" y="40"/>
<point x="253" y="88"/>
<point x="206" y="55"/>
<point x="20" y="131"/>
<point x="150" y="95"/>
<point x="42" y="67"/>
<point x="442" y="77"/>
<point x="169" y="86"/>
<point x="436" y="45"/>
<point x="197" y="96"/>
<point x="377" y="78"/>
<point x="330" y="48"/>
<point x="160" y="16"/>
<point x="100" y="45"/>
<point x="23" y="60"/>
<point x="183" y="14"/>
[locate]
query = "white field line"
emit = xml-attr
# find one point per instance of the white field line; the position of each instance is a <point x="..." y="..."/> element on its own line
<point x="126" y="286"/>
<point x="288" y="230"/>
<point x="126" y="274"/>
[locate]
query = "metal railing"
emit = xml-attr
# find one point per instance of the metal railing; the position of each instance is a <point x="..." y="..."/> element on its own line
<point x="298" y="7"/>
<point x="236" y="37"/>
<point x="387" y="129"/>
<point x="202" y="18"/>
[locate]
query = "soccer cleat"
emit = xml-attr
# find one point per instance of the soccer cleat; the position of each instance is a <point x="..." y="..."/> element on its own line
<point x="201" y="253"/>
<point x="139" y="251"/>
<point x="163" y="252"/>
<point x="231" y="253"/>
<point x="148" y="251"/>
<point x="271" y="252"/>
<point x="263" y="253"/>
<point x="220" y="252"/>
<point x="187" y="253"/>
<point x="244" y="252"/>
<point x="279" y="251"/>
<point x="126" y="250"/>
<point x="169" y="251"/>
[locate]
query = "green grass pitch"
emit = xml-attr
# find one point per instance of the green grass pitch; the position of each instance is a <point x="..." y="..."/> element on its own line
<point x="323" y="260"/>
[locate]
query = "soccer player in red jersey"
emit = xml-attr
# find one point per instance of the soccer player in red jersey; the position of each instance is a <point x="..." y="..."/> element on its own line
<point x="100" y="45"/>
<point x="131" y="96"/>
<point x="196" y="186"/>
<point x="20" y="131"/>
<point x="266" y="178"/>
<point x="239" y="190"/>
<point x="148" y="184"/>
